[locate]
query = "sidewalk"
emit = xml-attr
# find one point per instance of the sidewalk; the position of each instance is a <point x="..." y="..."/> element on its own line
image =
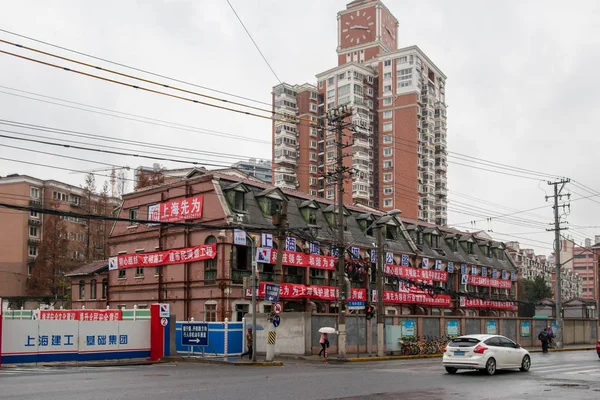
<point x="102" y="363"/>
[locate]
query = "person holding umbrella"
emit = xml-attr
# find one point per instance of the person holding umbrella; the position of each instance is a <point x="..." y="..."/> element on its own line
<point x="324" y="343"/>
<point x="324" y="340"/>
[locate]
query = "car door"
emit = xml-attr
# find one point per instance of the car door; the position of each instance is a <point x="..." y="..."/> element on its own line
<point x="512" y="356"/>
<point x="497" y="351"/>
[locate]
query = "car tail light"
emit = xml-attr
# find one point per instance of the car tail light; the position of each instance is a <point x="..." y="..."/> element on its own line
<point x="479" y="349"/>
<point x="446" y="348"/>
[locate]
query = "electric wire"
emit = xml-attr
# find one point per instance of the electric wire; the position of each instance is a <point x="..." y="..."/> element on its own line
<point x="129" y="67"/>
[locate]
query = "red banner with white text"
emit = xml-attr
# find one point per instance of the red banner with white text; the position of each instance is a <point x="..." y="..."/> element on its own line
<point x="81" y="315"/>
<point x="390" y="296"/>
<point x="158" y="258"/>
<point x="416" y="273"/>
<point x="177" y="210"/>
<point x="478" y="303"/>
<point x="298" y="291"/>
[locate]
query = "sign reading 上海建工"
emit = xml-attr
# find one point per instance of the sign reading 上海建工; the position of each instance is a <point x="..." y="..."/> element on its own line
<point x="194" y="334"/>
<point x="272" y="292"/>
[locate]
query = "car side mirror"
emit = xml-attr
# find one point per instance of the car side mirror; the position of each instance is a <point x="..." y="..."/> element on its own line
<point x="517" y="346"/>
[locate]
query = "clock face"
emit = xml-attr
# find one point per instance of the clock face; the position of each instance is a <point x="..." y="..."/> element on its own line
<point x="388" y="31"/>
<point x="357" y="27"/>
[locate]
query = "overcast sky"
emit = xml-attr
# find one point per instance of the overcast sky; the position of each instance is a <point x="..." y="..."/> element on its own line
<point x="522" y="90"/>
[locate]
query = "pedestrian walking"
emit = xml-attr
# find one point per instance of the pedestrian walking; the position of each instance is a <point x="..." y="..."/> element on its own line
<point x="249" y="344"/>
<point x="544" y="337"/>
<point x="550" y="336"/>
<point x="324" y="343"/>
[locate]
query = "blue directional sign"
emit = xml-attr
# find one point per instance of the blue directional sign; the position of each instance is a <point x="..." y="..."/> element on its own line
<point x="356" y="305"/>
<point x="194" y="334"/>
<point x="272" y="292"/>
<point x="276" y="321"/>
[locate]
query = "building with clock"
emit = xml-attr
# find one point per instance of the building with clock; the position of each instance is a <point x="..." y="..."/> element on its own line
<point x="397" y="149"/>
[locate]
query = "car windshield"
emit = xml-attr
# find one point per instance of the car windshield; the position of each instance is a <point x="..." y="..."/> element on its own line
<point x="464" y="342"/>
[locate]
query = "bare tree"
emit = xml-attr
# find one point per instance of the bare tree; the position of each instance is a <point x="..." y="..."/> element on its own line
<point x="47" y="276"/>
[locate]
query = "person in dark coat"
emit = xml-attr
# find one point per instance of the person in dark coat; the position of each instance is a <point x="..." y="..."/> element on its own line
<point x="544" y="337"/>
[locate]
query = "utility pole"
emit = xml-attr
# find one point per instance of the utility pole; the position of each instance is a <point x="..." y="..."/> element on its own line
<point x="379" y="278"/>
<point x="280" y="220"/>
<point x="281" y="223"/>
<point x="557" y="247"/>
<point x="336" y="119"/>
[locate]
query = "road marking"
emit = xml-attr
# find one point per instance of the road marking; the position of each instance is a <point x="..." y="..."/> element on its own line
<point x="582" y="371"/>
<point x="557" y="367"/>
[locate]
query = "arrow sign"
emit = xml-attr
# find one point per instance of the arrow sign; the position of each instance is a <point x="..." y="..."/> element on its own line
<point x="194" y="334"/>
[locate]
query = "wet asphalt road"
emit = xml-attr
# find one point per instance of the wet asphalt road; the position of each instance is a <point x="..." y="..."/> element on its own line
<point x="570" y="375"/>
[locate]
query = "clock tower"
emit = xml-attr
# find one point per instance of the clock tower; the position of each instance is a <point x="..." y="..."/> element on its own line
<point x="366" y="28"/>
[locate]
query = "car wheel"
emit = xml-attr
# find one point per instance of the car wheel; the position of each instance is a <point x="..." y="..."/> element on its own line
<point x="490" y="366"/>
<point x="451" y="370"/>
<point x="525" y="364"/>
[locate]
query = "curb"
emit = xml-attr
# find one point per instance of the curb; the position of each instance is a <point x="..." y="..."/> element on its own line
<point x="99" y="365"/>
<point x="234" y="363"/>
<point x="389" y="358"/>
<point x="564" y="349"/>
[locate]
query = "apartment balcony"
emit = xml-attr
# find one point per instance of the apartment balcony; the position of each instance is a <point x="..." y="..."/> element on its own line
<point x="286" y="185"/>
<point x="35" y="203"/>
<point x="362" y="144"/>
<point x="441" y="179"/>
<point x="361" y="155"/>
<point x="441" y="191"/>
<point x="360" y="194"/>
<point x="33" y="241"/>
<point x="286" y="160"/>
<point x="75" y="204"/>
<point x="34" y="221"/>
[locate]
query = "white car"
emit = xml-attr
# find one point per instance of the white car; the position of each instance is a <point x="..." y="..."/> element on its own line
<point x="485" y="352"/>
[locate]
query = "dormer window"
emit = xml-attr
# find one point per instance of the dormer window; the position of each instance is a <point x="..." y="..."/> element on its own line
<point x="455" y="244"/>
<point x="239" y="200"/>
<point x="391" y="232"/>
<point x="470" y="247"/>
<point x="236" y="196"/>
<point x="366" y="226"/>
<point x="488" y="251"/>
<point x="309" y="214"/>
<point x="435" y="241"/>
<point x="419" y="237"/>
<point x="500" y="253"/>
<point x="270" y="201"/>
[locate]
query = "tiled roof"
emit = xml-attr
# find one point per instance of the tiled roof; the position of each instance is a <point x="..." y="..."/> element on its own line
<point x="88" y="269"/>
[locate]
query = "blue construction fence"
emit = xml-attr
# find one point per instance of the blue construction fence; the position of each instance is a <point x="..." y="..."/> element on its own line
<point x="224" y="338"/>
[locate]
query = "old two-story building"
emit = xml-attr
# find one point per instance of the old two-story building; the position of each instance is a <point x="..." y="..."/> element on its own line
<point x="199" y="267"/>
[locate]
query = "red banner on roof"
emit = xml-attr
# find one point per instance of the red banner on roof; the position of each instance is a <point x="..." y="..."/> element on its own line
<point x="177" y="210"/>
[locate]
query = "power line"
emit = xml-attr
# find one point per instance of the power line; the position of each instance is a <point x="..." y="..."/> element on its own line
<point x="141" y="87"/>
<point x="162" y="123"/>
<point x="131" y="68"/>
<point x="251" y="38"/>
<point x="62" y="213"/>
<point x="104" y="138"/>
<point x="144" y="80"/>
